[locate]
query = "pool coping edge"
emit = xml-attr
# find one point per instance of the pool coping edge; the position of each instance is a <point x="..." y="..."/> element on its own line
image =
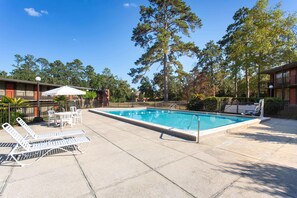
<point x="178" y="132"/>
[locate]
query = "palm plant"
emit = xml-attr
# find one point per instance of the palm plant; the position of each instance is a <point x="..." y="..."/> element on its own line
<point x="62" y="100"/>
<point x="91" y="95"/>
<point x="16" y="103"/>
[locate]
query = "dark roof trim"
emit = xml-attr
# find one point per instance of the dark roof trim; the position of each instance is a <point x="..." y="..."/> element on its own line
<point x="27" y="82"/>
<point x="45" y="84"/>
<point x="280" y="68"/>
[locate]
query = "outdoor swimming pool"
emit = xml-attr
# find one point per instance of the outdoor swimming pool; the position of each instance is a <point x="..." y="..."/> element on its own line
<point x="180" y="120"/>
<point x="178" y="123"/>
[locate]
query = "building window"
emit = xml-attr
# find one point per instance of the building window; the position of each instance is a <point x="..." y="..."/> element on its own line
<point x="30" y="91"/>
<point x="2" y="88"/>
<point x="20" y="90"/>
<point x="278" y="94"/>
<point x="286" y="76"/>
<point x="287" y="94"/>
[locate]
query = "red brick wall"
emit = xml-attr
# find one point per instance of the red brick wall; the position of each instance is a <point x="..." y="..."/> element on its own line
<point x="293" y="96"/>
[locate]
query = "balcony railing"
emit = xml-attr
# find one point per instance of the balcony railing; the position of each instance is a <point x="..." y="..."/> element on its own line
<point x="31" y="98"/>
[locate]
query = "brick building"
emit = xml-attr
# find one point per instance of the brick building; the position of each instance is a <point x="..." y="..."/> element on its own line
<point x="28" y="90"/>
<point x="283" y="82"/>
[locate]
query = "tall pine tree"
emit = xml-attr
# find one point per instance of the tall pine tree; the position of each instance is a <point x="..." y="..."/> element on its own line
<point x="159" y="31"/>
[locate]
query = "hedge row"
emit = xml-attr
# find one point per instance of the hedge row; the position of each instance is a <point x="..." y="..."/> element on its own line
<point x="272" y="106"/>
<point x="199" y="102"/>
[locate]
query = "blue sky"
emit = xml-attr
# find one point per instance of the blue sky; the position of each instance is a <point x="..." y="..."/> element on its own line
<point x="98" y="32"/>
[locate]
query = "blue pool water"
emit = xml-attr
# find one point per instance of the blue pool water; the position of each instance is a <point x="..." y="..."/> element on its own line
<point x="180" y="120"/>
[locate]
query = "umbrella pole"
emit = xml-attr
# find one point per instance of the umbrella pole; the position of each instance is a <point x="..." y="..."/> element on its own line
<point x="65" y="104"/>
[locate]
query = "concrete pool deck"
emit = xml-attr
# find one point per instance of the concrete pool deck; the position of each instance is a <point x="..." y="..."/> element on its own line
<point x="125" y="160"/>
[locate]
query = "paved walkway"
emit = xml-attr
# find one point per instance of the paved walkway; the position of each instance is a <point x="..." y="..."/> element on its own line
<point x="124" y="160"/>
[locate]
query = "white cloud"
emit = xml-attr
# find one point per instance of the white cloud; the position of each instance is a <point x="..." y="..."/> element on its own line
<point x="32" y="12"/>
<point x="129" y="5"/>
<point x="35" y="13"/>
<point x="44" y="12"/>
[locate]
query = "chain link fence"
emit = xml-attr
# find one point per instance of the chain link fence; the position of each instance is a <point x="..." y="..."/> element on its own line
<point x="28" y="111"/>
<point x="180" y="105"/>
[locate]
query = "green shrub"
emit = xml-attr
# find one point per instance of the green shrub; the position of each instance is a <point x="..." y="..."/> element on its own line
<point x="89" y="98"/>
<point x="223" y="102"/>
<point x="196" y="102"/>
<point x="272" y="106"/>
<point x="210" y="104"/>
<point x="13" y="116"/>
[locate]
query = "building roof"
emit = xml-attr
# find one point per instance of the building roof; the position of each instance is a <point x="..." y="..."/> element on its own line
<point x="280" y="68"/>
<point x="45" y="84"/>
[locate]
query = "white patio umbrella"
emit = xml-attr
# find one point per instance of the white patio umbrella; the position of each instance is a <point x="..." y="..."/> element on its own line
<point x="65" y="90"/>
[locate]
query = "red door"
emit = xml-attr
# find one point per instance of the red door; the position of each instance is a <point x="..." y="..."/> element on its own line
<point x="9" y="90"/>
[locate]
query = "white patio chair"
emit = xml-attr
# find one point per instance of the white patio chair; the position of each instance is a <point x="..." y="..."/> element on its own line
<point x="78" y="116"/>
<point x="45" y="136"/>
<point x="66" y="118"/>
<point x="23" y="147"/>
<point x="73" y="109"/>
<point x="51" y="117"/>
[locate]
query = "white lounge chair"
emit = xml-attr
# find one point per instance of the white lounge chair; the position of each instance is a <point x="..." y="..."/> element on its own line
<point x="24" y="147"/>
<point x="45" y="136"/>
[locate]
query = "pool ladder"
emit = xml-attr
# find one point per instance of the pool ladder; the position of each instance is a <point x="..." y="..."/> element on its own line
<point x="191" y="121"/>
<point x="198" y="131"/>
<point x="173" y="106"/>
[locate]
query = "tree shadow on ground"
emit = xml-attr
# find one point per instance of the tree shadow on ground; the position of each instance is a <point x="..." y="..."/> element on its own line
<point x="276" y="129"/>
<point x="278" y="125"/>
<point x="266" y="137"/>
<point x="7" y="144"/>
<point x="266" y="178"/>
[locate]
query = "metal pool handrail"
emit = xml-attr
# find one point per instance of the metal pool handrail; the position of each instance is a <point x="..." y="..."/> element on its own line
<point x="191" y="121"/>
<point x="198" y="131"/>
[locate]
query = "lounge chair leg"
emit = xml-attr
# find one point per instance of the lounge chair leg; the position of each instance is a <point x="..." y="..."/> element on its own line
<point x="82" y="148"/>
<point x="17" y="161"/>
<point x="76" y="148"/>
